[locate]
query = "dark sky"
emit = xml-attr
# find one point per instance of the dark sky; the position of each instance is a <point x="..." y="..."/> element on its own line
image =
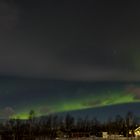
<point x="71" y="39"/>
<point x="53" y="52"/>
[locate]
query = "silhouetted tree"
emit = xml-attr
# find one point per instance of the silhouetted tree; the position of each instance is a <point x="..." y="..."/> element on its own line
<point x="31" y="123"/>
<point x="129" y="120"/>
<point x="119" y="123"/>
<point x="69" y="124"/>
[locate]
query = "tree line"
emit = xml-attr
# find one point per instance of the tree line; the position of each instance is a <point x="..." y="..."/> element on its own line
<point x="57" y="126"/>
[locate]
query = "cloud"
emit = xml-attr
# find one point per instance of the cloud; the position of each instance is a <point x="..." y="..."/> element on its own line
<point x="92" y="103"/>
<point x="134" y="90"/>
<point x="45" y="110"/>
<point x="7" y="112"/>
<point x="43" y="50"/>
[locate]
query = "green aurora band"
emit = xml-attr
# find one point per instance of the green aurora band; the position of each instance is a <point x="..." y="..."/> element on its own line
<point x="90" y="101"/>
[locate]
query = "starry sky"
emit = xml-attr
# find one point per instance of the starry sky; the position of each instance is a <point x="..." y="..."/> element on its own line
<point x="68" y="54"/>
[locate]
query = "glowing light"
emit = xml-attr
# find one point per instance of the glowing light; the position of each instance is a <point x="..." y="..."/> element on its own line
<point x="83" y="101"/>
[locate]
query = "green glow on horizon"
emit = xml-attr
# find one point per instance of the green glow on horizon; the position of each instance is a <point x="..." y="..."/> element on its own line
<point x="99" y="100"/>
<point x="21" y="116"/>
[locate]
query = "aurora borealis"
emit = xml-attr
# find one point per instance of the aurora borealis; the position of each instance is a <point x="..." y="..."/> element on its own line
<point x="65" y="55"/>
<point x="52" y="96"/>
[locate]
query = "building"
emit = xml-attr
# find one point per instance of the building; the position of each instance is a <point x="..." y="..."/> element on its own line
<point x="137" y="132"/>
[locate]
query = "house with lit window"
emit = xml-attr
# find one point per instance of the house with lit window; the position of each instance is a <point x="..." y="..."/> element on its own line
<point x="137" y="132"/>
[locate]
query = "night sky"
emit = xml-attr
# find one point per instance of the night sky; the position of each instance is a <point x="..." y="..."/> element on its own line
<point x="67" y="55"/>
